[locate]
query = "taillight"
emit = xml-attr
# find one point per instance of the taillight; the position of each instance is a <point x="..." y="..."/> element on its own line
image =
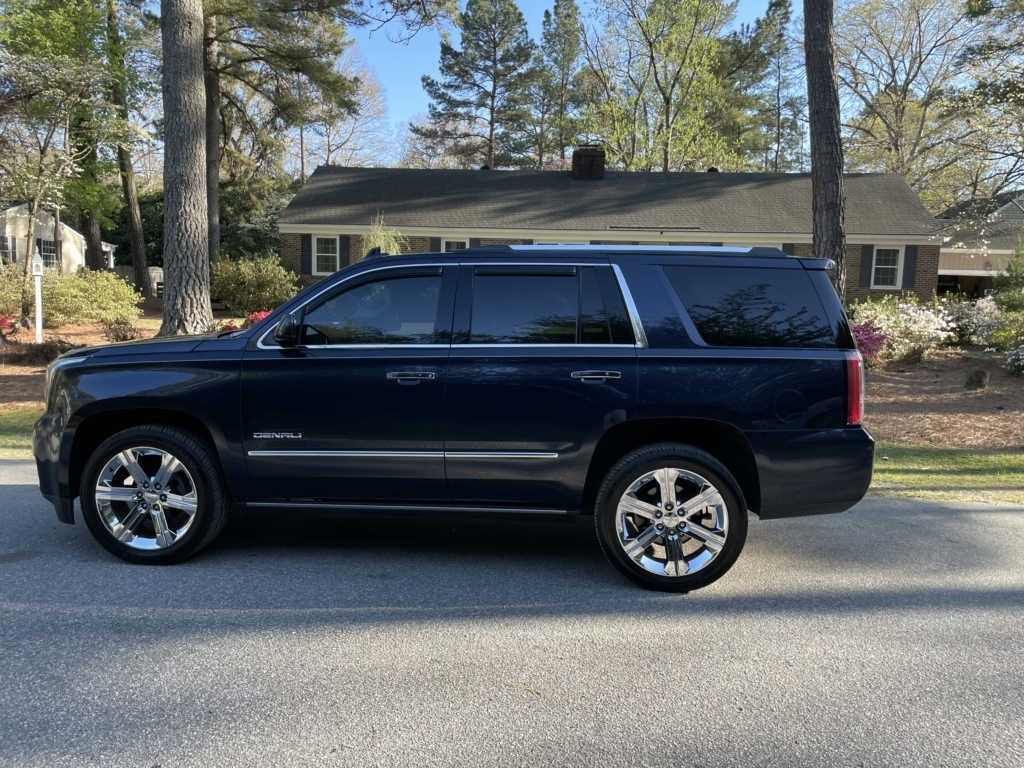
<point x="854" y="388"/>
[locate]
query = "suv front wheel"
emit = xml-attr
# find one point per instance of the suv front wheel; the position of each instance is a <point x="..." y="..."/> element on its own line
<point x="671" y="517"/>
<point x="153" y="494"/>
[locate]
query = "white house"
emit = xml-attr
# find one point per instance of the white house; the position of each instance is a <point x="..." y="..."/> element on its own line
<point x="14" y="244"/>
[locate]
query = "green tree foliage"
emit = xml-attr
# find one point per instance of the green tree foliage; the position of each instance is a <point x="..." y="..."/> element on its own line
<point x="650" y="79"/>
<point x="1009" y="285"/>
<point x="48" y="66"/>
<point x="759" y="105"/>
<point x="1002" y="45"/>
<point x="480" y="102"/>
<point x="899" y="71"/>
<point x="559" y="63"/>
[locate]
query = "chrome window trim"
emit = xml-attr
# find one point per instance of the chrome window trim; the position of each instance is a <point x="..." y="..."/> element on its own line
<point x="634" y="315"/>
<point x="631" y="308"/>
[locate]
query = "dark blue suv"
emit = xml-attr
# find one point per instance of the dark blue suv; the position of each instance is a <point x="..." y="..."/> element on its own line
<point x="665" y="390"/>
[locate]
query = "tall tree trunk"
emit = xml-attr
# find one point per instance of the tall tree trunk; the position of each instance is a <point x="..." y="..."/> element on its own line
<point x="94" y="258"/>
<point x="119" y="98"/>
<point x="828" y="197"/>
<point x="186" y="230"/>
<point x="211" y="78"/>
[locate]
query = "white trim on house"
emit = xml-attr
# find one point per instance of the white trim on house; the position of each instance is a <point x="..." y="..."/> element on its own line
<point x="572" y="237"/>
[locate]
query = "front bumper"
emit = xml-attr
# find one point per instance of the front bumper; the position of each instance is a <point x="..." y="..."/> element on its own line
<point x="48" y="446"/>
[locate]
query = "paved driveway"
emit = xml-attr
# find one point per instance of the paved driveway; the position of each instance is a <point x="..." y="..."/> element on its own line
<point x="891" y="635"/>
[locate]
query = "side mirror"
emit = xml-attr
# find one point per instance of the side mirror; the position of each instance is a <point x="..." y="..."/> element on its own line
<point x="287" y="332"/>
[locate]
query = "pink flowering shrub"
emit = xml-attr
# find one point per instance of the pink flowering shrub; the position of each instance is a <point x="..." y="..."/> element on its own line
<point x="870" y="340"/>
<point x="254" y="317"/>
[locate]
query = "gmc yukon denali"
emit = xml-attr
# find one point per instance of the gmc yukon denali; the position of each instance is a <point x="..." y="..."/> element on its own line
<point x="666" y="391"/>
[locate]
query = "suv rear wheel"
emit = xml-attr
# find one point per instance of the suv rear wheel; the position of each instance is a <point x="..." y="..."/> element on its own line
<point x="152" y="494"/>
<point x="671" y="517"/>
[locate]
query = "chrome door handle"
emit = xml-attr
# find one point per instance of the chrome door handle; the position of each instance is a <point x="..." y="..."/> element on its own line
<point x="596" y="375"/>
<point x="411" y="377"/>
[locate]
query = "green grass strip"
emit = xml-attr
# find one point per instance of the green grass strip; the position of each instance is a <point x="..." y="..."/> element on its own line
<point x="16" y="433"/>
<point x="948" y="474"/>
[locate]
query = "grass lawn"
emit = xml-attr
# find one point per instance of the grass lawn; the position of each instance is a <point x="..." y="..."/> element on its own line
<point x="923" y="472"/>
<point x="16" y="434"/>
<point x="948" y="474"/>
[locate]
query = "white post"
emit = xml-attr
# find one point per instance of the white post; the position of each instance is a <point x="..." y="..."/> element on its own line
<point x="37" y="275"/>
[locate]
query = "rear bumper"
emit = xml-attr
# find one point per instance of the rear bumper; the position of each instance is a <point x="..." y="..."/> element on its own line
<point x="812" y="472"/>
<point x="47" y="444"/>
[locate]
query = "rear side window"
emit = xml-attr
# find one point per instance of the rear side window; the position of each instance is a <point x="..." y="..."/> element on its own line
<point x="742" y="307"/>
<point x="581" y="307"/>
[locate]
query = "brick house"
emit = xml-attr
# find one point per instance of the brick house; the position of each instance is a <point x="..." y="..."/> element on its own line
<point x="891" y="242"/>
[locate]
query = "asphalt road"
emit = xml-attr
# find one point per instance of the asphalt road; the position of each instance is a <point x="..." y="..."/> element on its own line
<point x="890" y="635"/>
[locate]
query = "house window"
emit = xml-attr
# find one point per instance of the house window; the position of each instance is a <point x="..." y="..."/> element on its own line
<point x="453" y="245"/>
<point x="325" y="255"/>
<point x="885" y="272"/>
<point x="8" y="249"/>
<point x="48" y="251"/>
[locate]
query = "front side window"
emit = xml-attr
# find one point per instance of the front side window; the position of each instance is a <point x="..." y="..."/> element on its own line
<point x="396" y="310"/>
<point x="886" y="270"/>
<point x="325" y="255"/>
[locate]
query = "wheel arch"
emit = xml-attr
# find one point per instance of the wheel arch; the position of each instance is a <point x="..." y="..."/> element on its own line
<point x="97" y="427"/>
<point x="724" y="442"/>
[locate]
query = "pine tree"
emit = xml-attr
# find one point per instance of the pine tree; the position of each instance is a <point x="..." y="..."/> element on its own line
<point x="481" y="99"/>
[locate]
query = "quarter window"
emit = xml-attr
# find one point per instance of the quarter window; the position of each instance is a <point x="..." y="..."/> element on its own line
<point x="397" y="310"/>
<point x="886" y="270"/>
<point x="772" y="308"/>
<point x="325" y="255"/>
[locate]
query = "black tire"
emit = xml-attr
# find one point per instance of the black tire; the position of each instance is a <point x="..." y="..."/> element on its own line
<point x="649" y="539"/>
<point x="153" y="494"/>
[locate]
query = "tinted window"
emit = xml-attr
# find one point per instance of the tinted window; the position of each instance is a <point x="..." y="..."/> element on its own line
<point x="399" y="310"/>
<point x="580" y="308"/>
<point x="524" y="309"/>
<point x="734" y="307"/>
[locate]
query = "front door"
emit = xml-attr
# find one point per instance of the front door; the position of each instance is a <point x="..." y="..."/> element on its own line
<point x="353" y="414"/>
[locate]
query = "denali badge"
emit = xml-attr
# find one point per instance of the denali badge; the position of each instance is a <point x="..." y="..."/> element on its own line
<point x="276" y="435"/>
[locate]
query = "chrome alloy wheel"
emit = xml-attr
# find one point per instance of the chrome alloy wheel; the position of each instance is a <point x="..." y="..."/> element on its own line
<point x="672" y="522"/>
<point x="146" y="498"/>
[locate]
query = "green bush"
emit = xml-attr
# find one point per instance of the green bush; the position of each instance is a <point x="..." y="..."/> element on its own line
<point x="250" y="285"/>
<point x="1009" y="334"/>
<point x="88" y="296"/>
<point x="12" y="284"/>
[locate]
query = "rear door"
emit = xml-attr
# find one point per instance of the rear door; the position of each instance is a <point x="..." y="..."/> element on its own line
<point x="543" y="362"/>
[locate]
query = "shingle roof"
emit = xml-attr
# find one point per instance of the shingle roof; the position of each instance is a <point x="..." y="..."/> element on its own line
<point x="879" y="204"/>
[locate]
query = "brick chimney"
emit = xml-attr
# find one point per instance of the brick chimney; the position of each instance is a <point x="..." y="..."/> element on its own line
<point x="588" y="161"/>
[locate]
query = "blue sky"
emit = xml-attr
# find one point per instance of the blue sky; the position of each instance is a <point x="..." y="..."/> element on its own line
<point x="399" y="66"/>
